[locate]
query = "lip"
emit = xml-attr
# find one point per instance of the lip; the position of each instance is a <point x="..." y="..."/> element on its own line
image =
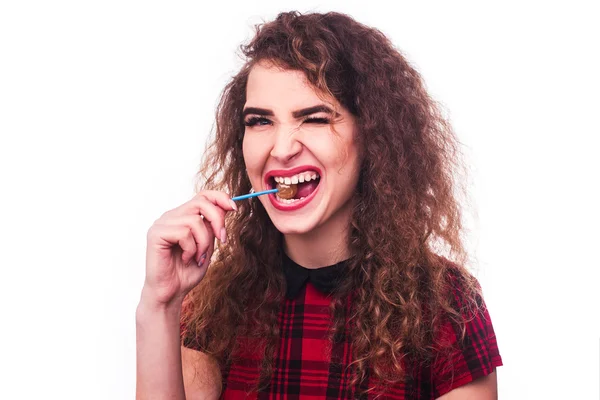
<point x="290" y="172"/>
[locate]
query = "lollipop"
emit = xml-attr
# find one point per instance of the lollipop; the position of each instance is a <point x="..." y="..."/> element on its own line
<point x="286" y="191"/>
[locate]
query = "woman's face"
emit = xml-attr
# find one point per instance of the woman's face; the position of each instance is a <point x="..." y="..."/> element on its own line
<point x="288" y="137"/>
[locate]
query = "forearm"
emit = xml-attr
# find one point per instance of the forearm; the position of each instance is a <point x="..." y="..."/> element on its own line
<point x="158" y="352"/>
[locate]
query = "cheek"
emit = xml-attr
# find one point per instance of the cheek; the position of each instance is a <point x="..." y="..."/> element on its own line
<point x="340" y="154"/>
<point x="254" y="157"/>
<point x="326" y="149"/>
<point x="347" y="167"/>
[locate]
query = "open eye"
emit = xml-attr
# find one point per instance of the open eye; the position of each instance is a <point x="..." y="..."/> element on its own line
<point x="260" y="121"/>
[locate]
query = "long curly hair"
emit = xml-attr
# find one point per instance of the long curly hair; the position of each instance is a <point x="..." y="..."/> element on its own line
<point x="406" y="227"/>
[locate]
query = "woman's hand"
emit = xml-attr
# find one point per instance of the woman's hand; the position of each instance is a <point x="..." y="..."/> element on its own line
<point x="180" y="244"/>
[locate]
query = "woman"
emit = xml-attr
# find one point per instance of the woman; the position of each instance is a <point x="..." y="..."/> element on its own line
<point x="346" y="290"/>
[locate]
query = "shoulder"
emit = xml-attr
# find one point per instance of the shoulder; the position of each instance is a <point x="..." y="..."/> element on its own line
<point x="468" y="346"/>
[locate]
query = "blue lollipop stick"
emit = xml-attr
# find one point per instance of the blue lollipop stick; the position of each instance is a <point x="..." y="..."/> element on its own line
<point x="247" y="196"/>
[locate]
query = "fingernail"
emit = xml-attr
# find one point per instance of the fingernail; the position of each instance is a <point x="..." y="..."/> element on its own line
<point x="233" y="204"/>
<point x="202" y="259"/>
<point x="223" y="235"/>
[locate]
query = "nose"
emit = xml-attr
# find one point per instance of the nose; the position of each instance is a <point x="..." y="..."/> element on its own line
<point x="286" y="147"/>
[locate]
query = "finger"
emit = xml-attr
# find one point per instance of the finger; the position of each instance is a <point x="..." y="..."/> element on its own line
<point x="215" y="216"/>
<point x="217" y="198"/>
<point x="202" y="233"/>
<point x="209" y="251"/>
<point x="189" y="246"/>
<point x="212" y="204"/>
<point x="210" y="212"/>
<point x="170" y="235"/>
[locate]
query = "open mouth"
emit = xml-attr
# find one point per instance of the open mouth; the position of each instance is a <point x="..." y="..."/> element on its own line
<point x="295" y="190"/>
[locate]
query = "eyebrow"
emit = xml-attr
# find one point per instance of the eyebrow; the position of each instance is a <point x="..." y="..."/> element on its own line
<point x="296" y="114"/>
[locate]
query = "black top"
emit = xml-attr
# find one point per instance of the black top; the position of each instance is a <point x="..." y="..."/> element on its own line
<point x="325" y="279"/>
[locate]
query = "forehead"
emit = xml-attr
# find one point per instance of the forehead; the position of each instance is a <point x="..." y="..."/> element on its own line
<point x="273" y="87"/>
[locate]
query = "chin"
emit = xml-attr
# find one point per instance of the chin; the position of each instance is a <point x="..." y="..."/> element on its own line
<point x="295" y="222"/>
<point x="292" y="226"/>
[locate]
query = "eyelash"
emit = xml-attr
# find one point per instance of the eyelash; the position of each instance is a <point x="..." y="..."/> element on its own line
<point x="254" y="120"/>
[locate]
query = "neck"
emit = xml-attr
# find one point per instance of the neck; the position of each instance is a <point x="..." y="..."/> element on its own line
<point x="324" y="245"/>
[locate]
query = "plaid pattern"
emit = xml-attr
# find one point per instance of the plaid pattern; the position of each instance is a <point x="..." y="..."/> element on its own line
<point x="304" y="369"/>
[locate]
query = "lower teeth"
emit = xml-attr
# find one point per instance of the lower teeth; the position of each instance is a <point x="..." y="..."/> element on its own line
<point x="288" y="201"/>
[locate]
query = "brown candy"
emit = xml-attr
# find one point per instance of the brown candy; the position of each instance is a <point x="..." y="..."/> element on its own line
<point x="286" y="191"/>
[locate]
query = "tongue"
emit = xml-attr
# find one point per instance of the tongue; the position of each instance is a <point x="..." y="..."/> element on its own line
<point x="306" y="188"/>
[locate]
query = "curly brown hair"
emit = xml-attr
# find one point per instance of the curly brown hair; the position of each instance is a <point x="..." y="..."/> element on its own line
<point x="406" y="228"/>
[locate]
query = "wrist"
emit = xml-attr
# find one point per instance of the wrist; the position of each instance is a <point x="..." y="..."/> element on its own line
<point x="149" y="305"/>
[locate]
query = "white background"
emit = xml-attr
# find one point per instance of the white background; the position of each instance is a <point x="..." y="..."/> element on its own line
<point x="104" y="112"/>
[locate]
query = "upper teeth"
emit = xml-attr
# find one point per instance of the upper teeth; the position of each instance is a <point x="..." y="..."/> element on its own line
<point x="301" y="177"/>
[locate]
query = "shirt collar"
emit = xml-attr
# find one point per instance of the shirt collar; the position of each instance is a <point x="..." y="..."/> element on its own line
<point x="325" y="279"/>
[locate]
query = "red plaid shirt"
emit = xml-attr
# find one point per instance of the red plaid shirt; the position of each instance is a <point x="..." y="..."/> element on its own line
<point x="304" y="368"/>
